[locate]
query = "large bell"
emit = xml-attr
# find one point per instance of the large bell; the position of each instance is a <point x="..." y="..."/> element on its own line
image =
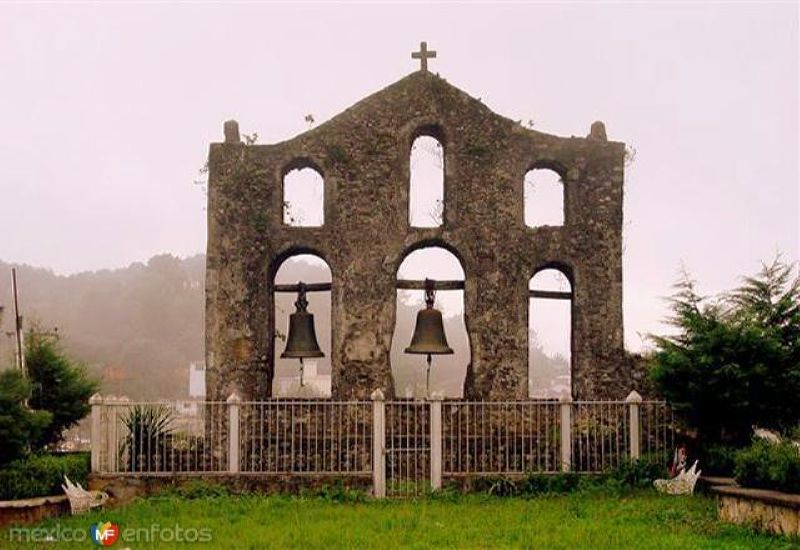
<point x="302" y="338"/>
<point x="429" y="337"/>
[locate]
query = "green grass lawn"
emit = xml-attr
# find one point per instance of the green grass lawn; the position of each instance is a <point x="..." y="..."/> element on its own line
<point x="580" y="520"/>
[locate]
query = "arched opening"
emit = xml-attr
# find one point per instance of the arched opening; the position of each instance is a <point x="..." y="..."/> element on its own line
<point x="303" y="198"/>
<point x="447" y="372"/>
<point x="549" y="334"/>
<point x="543" y="198"/>
<point x="316" y="372"/>
<point x="426" y="186"/>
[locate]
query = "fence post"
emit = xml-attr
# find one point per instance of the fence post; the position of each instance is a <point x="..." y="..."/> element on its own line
<point x="110" y="431"/>
<point x="233" y="401"/>
<point x="566" y="432"/>
<point x="436" y="442"/>
<point x="96" y="402"/>
<point x="634" y="400"/>
<point x="378" y="444"/>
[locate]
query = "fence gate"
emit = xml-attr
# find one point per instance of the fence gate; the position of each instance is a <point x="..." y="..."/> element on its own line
<point x="408" y="448"/>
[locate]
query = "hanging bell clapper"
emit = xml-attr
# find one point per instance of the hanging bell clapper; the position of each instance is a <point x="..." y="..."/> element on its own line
<point x="428" y="378"/>
<point x="301" y="372"/>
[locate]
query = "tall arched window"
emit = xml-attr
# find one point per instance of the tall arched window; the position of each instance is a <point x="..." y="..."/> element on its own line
<point x="426" y="188"/>
<point x="303" y="198"/>
<point x="549" y="334"/>
<point x="316" y="372"/>
<point x="543" y="198"/>
<point x="447" y="372"/>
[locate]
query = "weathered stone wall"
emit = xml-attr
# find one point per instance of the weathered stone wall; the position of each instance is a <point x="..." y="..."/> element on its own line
<point x="770" y="511"/>
<point x="363" y="155"/>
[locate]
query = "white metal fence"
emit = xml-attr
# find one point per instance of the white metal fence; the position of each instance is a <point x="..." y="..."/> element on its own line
<point x="406" y="446"/>
<point x="306" y="436"/>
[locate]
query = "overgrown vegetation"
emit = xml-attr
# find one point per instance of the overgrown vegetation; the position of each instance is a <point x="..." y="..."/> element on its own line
<point x="629" y="474"/>
<point x="336" y="492"/>
<point x="768" y="465"/>
<point x="42" y="475"/>
<point x="195" y="489"/>
<point x="735" y="360"/>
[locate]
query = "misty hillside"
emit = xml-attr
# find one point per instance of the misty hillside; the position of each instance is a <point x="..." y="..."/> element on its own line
<point x="139" y="327"/>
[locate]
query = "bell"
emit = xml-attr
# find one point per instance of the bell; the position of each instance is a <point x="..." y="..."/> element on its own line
<point x="302" y="339"/>
<point x="429" y="337"/>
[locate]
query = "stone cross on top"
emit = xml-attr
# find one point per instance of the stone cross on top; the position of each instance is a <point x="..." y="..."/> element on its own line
<point x="423" y="55"/>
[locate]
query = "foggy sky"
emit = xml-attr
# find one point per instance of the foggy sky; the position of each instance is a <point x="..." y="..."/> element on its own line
<point x="106" y="113"/>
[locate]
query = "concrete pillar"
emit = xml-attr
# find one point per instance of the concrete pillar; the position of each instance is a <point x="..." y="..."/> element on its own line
<point x="634" y="401"/>
<point x="378" y="444"/>
<point x="234" y="402"/>
<point x="96" y="402"/>
<point x="436" y="442"/>
<point x="566" y="432"/>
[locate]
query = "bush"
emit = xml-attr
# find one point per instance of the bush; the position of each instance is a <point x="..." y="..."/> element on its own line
<point x="537" y="484"/>
<point x="42" y="475"/>
<point x="60" y="386"/>
<point x="19" y="425"/>
<point x="197" y="489"/>
<point x="766" y="465"/>
<point x="718" y="458"/>
<point x="336" y="492"/>
<point x="735" y="360"/>
<point x="639" y="473"/>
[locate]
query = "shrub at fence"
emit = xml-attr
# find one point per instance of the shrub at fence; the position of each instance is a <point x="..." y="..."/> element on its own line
<point x="766" y="465"/>
<point x="42" y="475"/>
<point x="154" y="439"/>
<point x="149" y="431"/>
<point x="640" y="473"/>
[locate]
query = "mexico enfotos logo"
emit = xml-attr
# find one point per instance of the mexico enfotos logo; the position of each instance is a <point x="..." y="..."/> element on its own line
<point x="106" y="533"/>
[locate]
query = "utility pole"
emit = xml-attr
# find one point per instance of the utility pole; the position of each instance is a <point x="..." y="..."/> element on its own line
<point x="18" y="324"/>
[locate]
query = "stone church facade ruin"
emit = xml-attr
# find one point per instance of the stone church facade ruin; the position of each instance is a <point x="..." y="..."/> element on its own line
<point x="363" y="157"/>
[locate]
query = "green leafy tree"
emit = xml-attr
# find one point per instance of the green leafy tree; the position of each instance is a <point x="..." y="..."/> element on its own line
<point x="735" y="360"/>
<point x="60" y="386"/>
<point x="19" y="425"/>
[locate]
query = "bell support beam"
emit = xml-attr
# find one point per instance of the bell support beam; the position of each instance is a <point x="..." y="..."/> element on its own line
<point x="310" y="287"/>
<point x="550" y="294"/>
<point x="404" y="284"/>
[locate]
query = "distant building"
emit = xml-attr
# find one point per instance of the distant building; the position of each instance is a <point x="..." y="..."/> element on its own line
<point x="197" y="379"/>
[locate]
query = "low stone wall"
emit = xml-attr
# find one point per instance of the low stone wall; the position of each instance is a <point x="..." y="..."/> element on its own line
<point x="125" y="488"/>
<point x="771" y="511"/>
<point x="32" y="510"/>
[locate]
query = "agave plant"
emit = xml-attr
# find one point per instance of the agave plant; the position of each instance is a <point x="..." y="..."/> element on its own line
<point x="149" y="434"/>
